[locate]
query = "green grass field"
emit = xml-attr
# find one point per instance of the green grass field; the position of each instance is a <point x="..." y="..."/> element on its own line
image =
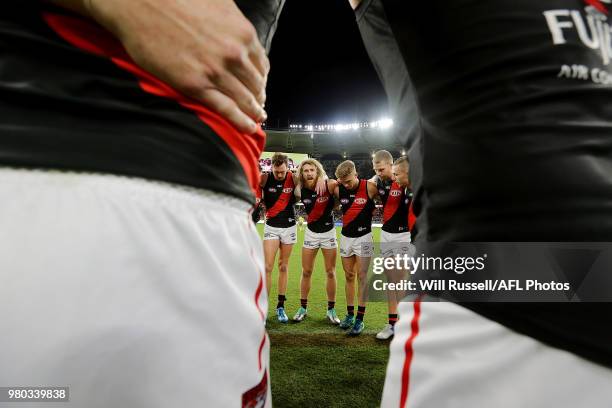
<point x="313" y="363"/>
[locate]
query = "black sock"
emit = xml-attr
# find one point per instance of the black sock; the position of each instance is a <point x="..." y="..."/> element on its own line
<point x="350" y="310"/>
<point x="392" y="319"/>
<point x="360" y="312"/>
<point x="304" y="303"/>
<point x="331" y="305"/>
<point x="281" y="301"/>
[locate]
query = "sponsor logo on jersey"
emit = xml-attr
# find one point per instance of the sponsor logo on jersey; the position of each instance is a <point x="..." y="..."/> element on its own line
<point x="290" y="219"/>
<point x="344" y="201"/>
<point x="362" y="229"/>
<point x="360" y="201"/>
<point x="381" y="192"/>
<point x="306" y="200"/>
<point x="287" y="190"/>
<point x="322" y="199"/>
<point x="272" y="190"/>
<point x="395" y="193"/>
<point x="591" y="27"/>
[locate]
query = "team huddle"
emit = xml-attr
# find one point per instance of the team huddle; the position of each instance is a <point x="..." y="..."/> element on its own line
<point x="357" y="199"/>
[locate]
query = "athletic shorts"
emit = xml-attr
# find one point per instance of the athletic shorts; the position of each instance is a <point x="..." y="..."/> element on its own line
<point x="324" y="240"/>
<point x="392" y="244"/>
<point x="362" y="246"/>
<point x="287" y="236"/>
<point x="444" y="355"/>
<point x="121" y="288"/>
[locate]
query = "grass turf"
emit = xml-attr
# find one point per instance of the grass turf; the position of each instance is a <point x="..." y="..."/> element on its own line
<point x="314" y="363"/>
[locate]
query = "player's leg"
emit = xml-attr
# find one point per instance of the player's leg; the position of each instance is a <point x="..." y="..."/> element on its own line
<point x="364" y="252"/>
<point x="329" y="258"/>
<point x="288" y="239"/>
<point x="348" y="264"/>
<point x="271" y="245"/>
<point x="308" y="259"/>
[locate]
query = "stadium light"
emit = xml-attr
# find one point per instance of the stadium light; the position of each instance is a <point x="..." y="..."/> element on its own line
<point x="383" y="124"/>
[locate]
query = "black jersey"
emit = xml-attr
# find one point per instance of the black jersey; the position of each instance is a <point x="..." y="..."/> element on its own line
<point x="319" y="209"/>
<point x="357" y="208"/>
<point x="396" y="202"/>
<point x="279" y="198"/>
<point x="71" y="98"/>
<point x="513" y="99"/>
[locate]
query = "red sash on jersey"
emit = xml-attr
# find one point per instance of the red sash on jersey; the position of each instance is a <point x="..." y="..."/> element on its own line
<point x="355" y="209"/>
<point x="393" y="203"/>
<point x="88" y="36"/>
<point x="284" y="199"/>
<point x="319" y="208"/>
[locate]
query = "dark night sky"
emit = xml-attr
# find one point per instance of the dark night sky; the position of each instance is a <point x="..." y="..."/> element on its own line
<point x="320" y="71"/>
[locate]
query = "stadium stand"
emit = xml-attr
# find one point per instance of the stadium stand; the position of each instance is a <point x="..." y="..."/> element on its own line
<point x="332" y="147"/>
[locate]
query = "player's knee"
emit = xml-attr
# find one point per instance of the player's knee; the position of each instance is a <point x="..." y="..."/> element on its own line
<point x="307" y="273"/>
<point x="269" y="268"/>
<point x="282" y="268"/>
<point x="331" y="273"/>
<point x="350" y="276"/>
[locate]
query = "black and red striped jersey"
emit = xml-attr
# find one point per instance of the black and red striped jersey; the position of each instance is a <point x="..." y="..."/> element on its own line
<point x="279" y="198"/>
<point x="319" y="209"/>
<point x="71" y="98"/>
<point x="396" y="201"/>
<point x="357" y="209"/>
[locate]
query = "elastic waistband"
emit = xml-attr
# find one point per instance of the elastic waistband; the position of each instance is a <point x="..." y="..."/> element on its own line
<point x="148" y="190"/>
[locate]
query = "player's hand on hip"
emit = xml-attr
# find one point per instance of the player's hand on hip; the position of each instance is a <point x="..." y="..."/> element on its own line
<point x="205" y="49"/>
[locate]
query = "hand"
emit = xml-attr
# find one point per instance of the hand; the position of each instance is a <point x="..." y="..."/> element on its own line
<point x="321" y="186"/>
<point x="205" y="49"/>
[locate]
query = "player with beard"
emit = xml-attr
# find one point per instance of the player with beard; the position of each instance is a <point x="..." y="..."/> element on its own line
<point x="320" y="233"/>
<point x="280" y="232"/>
<point x="356" y="198"/>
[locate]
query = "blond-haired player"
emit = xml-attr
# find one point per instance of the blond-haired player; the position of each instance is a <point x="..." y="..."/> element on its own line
<point x="320" y="234"/>
<point x="356" y="247"/>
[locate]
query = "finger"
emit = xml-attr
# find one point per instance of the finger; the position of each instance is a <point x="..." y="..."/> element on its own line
<point x="242" y="96"/>
<point x="246" y="72"/>
<point x="228" y="108"/>
<point x="259" y="58"/>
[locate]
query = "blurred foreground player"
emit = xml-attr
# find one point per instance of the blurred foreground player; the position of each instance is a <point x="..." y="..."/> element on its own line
<point x="512" y="99"/>
<point x="125" y="251"/>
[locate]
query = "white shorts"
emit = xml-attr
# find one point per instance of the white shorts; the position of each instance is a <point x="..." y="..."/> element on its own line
<point x="392" y="244"/>
<point x="121" y="288"/>
<point x="324" y="240"/>
<point x="287" y="236"/>
<point x="444" y="355"/>
<point x="362" y="246"/>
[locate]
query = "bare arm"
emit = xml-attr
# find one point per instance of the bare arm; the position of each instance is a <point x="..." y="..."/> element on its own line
<point x="263" y="179"/>
<point x="205" y="49"/>
<point x="373" y="191"/>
